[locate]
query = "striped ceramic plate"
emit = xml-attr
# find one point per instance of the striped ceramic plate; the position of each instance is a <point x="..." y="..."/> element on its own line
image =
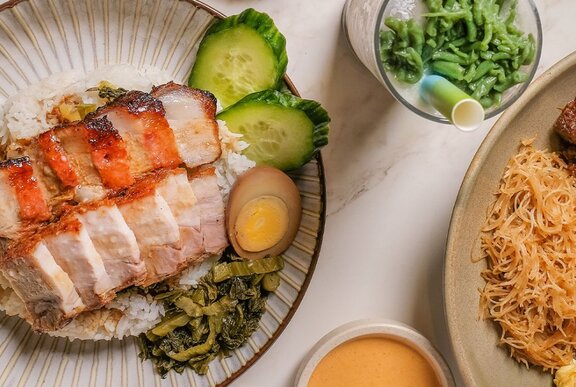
<point x="42" y="37"/>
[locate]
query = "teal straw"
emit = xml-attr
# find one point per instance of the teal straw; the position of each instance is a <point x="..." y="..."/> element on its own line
<point x="459" y="108"/>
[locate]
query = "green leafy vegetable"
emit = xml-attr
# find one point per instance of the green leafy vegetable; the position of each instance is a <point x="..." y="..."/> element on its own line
<point x="283" y="131"/>
<point x="211" y="319"/>
<point x="224" y="271"/>
<point x="108" y="91"/>
<point x="473" y="43"/>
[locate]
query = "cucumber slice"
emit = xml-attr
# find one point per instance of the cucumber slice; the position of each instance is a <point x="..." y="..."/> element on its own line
<point x="283" y="131"/>
<point x="240" y="55"/>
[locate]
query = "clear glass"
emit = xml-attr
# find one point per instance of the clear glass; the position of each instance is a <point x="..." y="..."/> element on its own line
<point x="527" y="20"/>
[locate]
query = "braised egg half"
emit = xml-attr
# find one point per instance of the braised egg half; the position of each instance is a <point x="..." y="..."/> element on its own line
<point x="263" y="213"/>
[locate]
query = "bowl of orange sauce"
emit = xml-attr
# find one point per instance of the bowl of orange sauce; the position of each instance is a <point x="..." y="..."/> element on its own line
<point x="374" y="353"/>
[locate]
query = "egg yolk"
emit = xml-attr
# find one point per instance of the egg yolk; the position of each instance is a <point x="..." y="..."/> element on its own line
<point x="261" y="223"/>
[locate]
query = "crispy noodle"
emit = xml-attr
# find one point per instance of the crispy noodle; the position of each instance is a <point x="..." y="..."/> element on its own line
<point x="529" y="242"/>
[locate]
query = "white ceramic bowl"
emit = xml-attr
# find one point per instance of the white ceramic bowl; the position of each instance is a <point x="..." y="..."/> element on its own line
<point x="370" y="328"/>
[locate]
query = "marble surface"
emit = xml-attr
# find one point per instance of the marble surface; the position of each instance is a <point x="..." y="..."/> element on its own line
<point x="392" y="179"/>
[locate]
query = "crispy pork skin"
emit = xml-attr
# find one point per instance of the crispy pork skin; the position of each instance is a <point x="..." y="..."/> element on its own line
<point x="115" y="243"/>
<point x="73" y="250"/>
<point x="54" y="156"/>
<point x="23" y="202"/>
<point x="191" y="116"/>
<point x="46" y="290"/>
<point x="109" y="154"/>
<point x="140" y="121"/>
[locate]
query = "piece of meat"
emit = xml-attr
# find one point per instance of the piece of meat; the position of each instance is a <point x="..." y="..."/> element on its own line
<point x="10" y="222"/>
<point x="47" y="160"/>
<point x="157" y="233"/>
<point x="47" y="292"/>
<point x="55" y="157"/>
<point x="177" y="192"/>
<point x="115" y="243"/>
<point x="109" y="153"/>
<point x="191" y="115"/>
<point x="565" y="125"/>
<point x="140" y="121"/>
<point x="73" y="250"/>
<point x="23" y="202"/>
<point x="211" y="207"/>
<point x="73" y="141"/>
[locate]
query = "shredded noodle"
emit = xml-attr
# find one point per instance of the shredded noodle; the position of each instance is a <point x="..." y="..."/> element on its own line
<point x="529" y="242"/>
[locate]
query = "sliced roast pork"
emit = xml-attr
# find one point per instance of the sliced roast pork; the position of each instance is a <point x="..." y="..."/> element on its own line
<point x="157" y="233"/>
<point x="177" y="192"/>
<point x="47" y="292"/>
<point x="73" y="250"/>
<point x="116" y="244"/>
<point x="211" y="210"/>
<point x="191" y="115"/>
<point x="23" y="201"/>
<point x="142" y="234"/>
<point x="140" y="120"/>
<point x="109" y="150"/>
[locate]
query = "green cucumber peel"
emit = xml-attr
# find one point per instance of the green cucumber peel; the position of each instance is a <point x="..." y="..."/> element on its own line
<point x="315" y="113"/>
<point x="262" y="26"/>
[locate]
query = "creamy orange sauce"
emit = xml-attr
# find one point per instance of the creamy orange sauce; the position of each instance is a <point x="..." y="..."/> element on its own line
<point x="373" y="362"/>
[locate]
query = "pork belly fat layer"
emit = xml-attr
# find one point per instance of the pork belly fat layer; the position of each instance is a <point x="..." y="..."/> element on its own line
<point x="75" y="253"/>
<point x="177" y="192"/>
<point x="157" y="233"/>
<point x="46" y="290"/>
<point x="191" y="116"/>
<point x="116" y="244"/>
<point x="211" y="207"/>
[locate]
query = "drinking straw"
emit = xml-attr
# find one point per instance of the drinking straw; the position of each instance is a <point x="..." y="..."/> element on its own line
<point x="463" y="111"/>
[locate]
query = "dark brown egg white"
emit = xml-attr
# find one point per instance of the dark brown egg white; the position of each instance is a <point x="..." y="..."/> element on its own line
<point x="263" y="213"/>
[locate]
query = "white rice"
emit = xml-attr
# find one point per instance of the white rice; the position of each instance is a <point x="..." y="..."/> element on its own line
<point x="130" y="313"/>
<point x="25" y="112"/>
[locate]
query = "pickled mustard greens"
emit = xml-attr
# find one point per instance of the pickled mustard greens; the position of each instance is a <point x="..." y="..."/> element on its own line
<point x="472" y="43"/>
<point x="215" y="317"/>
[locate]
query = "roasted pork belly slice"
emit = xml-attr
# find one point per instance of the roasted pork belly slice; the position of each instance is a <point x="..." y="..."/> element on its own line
<point x="53" y="155"/>
<point x="109" y="153"/>
<point x="22" y="199"/>
<point x="191" y="116"/>
<point x="50" y="165"/>
<point x="140" y="120"/>
<point x="157" y="233"/>
<point x="211" y="208"/>
<point x="73" y="141"/>
<point x="115" y="243"/>
<point x="45" y="289"/>
<point x="177" y="192"/>
<point x="70" y="245"/>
